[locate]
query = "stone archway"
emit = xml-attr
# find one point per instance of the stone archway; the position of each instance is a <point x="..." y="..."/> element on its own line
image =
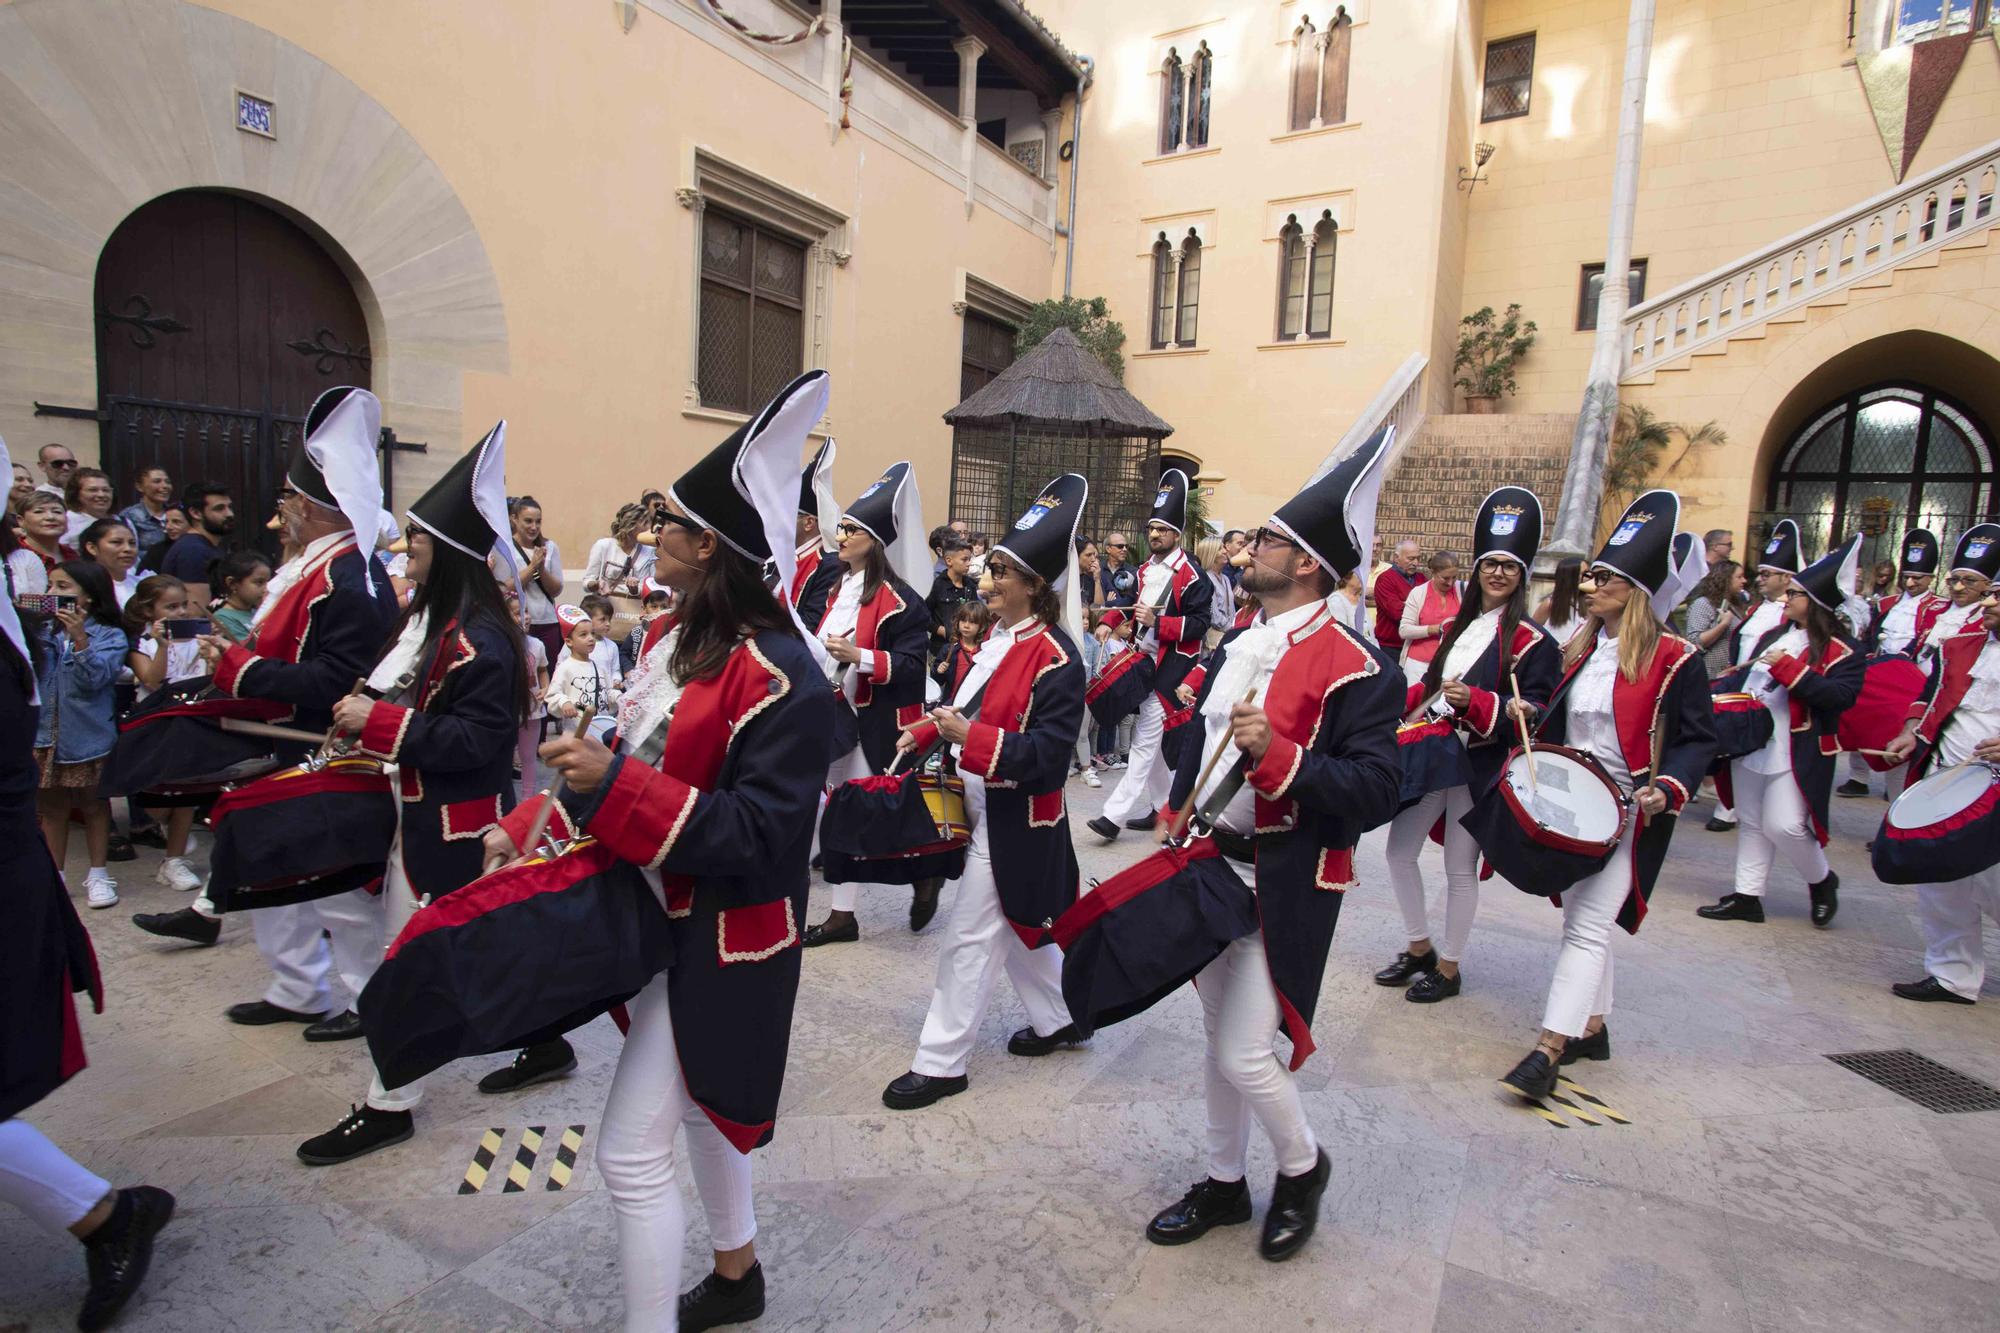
<point x="106" y="105"/>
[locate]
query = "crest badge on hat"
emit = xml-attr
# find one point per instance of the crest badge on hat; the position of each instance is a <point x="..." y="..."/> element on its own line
<point x="1783" y="551"/>
<point x="1509" y="526"/>
<point x="1170" y="503"/>
<point x="891" y="511"/>
<point x="1920" y="552"/>
<point x="1978" y="551"/>
<point x="1641" y="546"/>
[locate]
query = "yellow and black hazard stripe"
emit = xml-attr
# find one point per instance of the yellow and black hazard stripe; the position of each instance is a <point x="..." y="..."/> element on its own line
<point x="564" y="1165"/>
<point x="524" y="1160"/>
<point x="1597" y="1104"/>
<point x="483" y="1157"/>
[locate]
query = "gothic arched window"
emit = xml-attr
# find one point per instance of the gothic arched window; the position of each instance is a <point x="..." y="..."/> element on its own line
<point x="1319" y="71"/>
<point x="1173" y="94"/>
<point x="1190" y="291"/>
<point x="1162" y="331"/>
<point x="1319" y="282"/>
<point x="1200" y="77"/>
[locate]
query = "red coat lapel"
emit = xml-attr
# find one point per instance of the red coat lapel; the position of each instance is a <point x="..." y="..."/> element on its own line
<point x="1322" y="657"/>
<point x="282" y="636"/>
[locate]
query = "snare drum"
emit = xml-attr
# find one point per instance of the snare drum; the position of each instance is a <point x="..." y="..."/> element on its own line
<point x="895" y="828"/>
<point x="1120" y="688"/>
<point x="1433" y="758"/>
<point x="1546" y="834"/>
<point x="1941" y="829"/>
<point x="172" y="748"/>
<point x="305" y="833"/>
<point x="1743" y="724"/>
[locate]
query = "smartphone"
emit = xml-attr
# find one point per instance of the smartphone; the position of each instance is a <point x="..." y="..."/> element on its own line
<point x="45" y="603"/>
<point x="189" y="628"/>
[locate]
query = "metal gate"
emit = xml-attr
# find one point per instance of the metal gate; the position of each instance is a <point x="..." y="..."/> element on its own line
<point x="239" y="450"/>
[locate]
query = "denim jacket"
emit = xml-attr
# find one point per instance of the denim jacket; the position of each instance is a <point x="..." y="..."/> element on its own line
<point x="78" y="716"/>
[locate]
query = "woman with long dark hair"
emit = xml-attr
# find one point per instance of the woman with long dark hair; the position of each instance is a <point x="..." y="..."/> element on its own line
<point x="1561" y="612"/>
<point x="1488" y="646"/>
<point x="720" y="822"/>
<point x="876" y="627"/>
<point x="1635" y="698"/>
<point x="443" y="704"/>
<point x="1808" y="671"/>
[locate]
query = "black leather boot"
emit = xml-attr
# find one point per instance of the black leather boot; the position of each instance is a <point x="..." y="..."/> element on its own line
<point x="1294" y="1211"/>
<point x="1210" y="1203"/>
<point x="1825" y="899"/>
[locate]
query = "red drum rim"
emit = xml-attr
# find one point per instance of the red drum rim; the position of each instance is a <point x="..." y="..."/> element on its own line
<point x="1978" y="810"/>
<point x="1548" y="837"/>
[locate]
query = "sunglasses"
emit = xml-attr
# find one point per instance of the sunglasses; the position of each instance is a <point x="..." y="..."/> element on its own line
<point x="1117" y="546"/>
<point x="58" y="464"/>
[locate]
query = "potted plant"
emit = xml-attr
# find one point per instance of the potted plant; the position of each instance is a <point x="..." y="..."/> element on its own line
<point x="1488" y="350"/>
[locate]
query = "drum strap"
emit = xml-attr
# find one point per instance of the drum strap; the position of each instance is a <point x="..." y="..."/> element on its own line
<point x="970" y="711"/>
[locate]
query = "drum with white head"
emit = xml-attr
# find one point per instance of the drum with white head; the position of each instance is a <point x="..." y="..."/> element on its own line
<point x="1551" y="820"/>
<point x="1942" y="828"/>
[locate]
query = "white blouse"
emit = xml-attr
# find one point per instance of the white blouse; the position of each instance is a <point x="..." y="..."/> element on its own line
<point x="1592" y="725"/>
<point x="1977" y="716"/>
<point x="1476" y="639"/>
<point x="1776" y="756"/>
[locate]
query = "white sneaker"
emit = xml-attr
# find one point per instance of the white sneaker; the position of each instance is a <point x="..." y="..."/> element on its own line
<point x="1090" y="778"/>
<point x="175" y="873"/>
<point x="101" y="890"/>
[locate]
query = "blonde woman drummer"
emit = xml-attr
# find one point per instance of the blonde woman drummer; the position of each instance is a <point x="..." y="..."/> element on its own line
<point x="1635" y="697"/>
<point x="1957" y="722"/>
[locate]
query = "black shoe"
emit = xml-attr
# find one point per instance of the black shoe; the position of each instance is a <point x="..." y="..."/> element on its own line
<point x="341" y="1027"/>
<point x="1929" y="989"/>
<point x="1144" y="825"/>
<point x="149" y="835"/>
<point x="532" y="1064"/>
<point x="1734" y="907"/>
<point x="120" y="849"/>
<point x="184" y="924"/>
<point x="363" y="1131"/>
<point x="1103" y="828"/>
<point x="823" y="934"/>
<point x="1406" y="966"/>
<point x="1717" y="824"/>
<point x="817" y="864"/>
<point x="1851" y="787"/>
<point x="1025" y="1042"/>
<point x="117" y="1254"/>
<point x="1594" y="1046"/>
<point x="1432" y="987"/>
<point x="261" y="1013"/>
<point x="717" y="1300"/>
<point x="1825" y="899"/>
<point x="913" y="1090"/>
<point x="924" y="902"/>
<point x="1211" y="1203"/>
<point x="1294" y="1212"/>
<point x="1535" y="1076"/>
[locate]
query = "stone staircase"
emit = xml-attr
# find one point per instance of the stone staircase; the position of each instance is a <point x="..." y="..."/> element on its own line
<point x="1455" y="461"/>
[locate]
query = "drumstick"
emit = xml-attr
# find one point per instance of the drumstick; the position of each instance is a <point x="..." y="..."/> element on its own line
<point x="1521" y="720"/>
<point x="1180" y="819"/>
<point x="551" y="795"/>
<point x="246" y="727"/>
<point x="1653" y="773"/>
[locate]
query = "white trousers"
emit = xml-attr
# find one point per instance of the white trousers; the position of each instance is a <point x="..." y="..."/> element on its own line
<point x="1582" y="984"/>
<point x="399" y="903"/>
<point x="306" y="975"/>
<point x="1407" y="834"/>
<point x="853" y="764"/>
<point x="1954" y="952"/>
<point x="648" y="1104"/>
<point x="1147" y="778"/>
<point x="1771" y="818"/>
<point x="1243" y="1076"/>
<point x="977" y="942"/>
<point x="43" y="1181"/>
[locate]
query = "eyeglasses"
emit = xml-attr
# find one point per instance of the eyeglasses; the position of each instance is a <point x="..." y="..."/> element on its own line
<point x="666" y="516"/>
<point x="999" y="570"/>
<point x="1796" y="592"/>
<point x="1599" y="578"/>
<point x="846" y="530"/>
<point x="1966" y="581"/>
<point x="1496" y="566"/>
<point x="1275" y="536"/>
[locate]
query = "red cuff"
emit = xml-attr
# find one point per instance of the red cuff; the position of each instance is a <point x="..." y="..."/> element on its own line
<point x="229" y="668"/>
<point x="643" y="813"/>
<point x="1482" y="710"/>
<point x="881" y="672"/>
<point x="1677" y="795"/>
<point x="1194" y="678"/>
<point x="982" y="749"/>
<point x="516" y="822"/>
<point x="925" y="733"/>
<point x="382" y="734"/>
<point x="1169" y="628"/>
<point x="1917" y="711"/>
<point x="1280" y="764"/>
<point x="1787" y="670"/>
<point x="1412" y="696"/>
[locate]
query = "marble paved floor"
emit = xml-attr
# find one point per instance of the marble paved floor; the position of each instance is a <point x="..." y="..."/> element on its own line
<point x="1757" y="1186"/>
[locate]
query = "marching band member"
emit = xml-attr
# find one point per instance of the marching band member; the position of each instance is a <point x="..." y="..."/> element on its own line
<point x="1895" y="625"/>
<point x="722" y="827"/>
<point x="1808" y="672"/>
<point x="877" y="629"/>
<point x="819" y="512"/>
<point x="1314" y="765"/>
<point x="1171" y="619"/>
<point x="319" y="627"/>
<point x="442" y="704"/>
<point x="1775" y="567"/>
<point x="1975" y="563"/>
<point x="1470" y="680"/>
<point x="1635" y="697"/>
<point x="1013" y="755"/>
<point x="1957" y="722"/>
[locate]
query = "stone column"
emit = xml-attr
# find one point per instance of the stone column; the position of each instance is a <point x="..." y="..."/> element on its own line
<point x="1051" y="142"/>
<point x="969" y="50"/>
<point x="832" y="35"/>
<point x="691" y="199"/>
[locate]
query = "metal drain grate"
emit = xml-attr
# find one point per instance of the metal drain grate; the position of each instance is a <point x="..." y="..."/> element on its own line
<point x="1923" y="1080"/>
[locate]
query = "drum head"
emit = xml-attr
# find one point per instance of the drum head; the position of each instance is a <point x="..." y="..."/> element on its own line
<point x="1566" y="796"/>
<point x="1940" y="796"/>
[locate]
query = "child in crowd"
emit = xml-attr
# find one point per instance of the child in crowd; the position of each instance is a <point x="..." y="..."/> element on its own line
<point x="1112" y="629"/>
<point x="79" y="651"/>
<point x="536" y="664"/>
<point x="970" y="622"/>
<point x="159" y="656"/>
<point x="659" y="599"/>
<point x="577" y="682"/>
<point x="241" y="577"/>
<point x="605" y="650"/>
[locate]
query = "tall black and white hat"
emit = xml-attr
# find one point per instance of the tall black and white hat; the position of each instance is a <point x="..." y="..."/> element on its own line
<point x="1978" y="551"/>
<point x="1333" y="518"/>
<point x="740" y="487"/>
<point x="1641" y="546"/>
<point x="1690" y="568"/>
<point x="1782" y="551"/>
<point x="335" y="467"/>
<point x="891" y="511"/>
<point x="1044" y="539"/>
<point x="1509" y="526"/>
<point x="1830" y="578"/>
<point x="1920" y="552"/>
<point x="816" y="490"/>
<point x="1170" y="502"/>
<point x="467" y="508"/>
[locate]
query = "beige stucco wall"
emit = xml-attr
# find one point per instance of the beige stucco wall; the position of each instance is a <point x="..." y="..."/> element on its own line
<point x="502" y="175"/>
